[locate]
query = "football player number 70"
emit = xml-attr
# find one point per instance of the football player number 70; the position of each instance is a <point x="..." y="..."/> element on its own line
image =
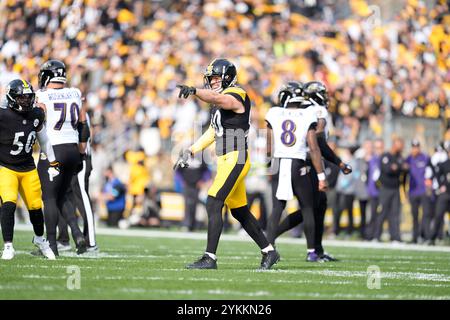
<point x="74" y="115"/>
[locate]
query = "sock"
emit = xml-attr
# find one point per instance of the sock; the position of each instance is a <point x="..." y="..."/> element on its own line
<point x="251" y="225"/>
<point x="51" y="214"/>
<point x="291" y="221"/>
<point x="215" y="223"/>
<point x="268" y="248"/>
<point x="37" y="220"/>
<point x="310" y="250"/>
<point x="7" y="220"/>
<point x="211" y="255"/>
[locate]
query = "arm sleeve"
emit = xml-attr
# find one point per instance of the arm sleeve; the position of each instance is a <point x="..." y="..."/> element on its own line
<point x="204" y="141"/>
<point x="45" y="144"/>
<point x="83" y="131"/>
<point x="327" y="153"/>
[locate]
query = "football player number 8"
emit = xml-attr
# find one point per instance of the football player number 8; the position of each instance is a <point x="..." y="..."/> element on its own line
<point x="28" y="146"/>
<point x="74" y="115"/>
<point x="287" y="136"/>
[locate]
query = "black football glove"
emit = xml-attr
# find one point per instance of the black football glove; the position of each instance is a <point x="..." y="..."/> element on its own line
<point x="346" y="168"/>
<point x="183" y="159"/>
<point x="185" y="91"/>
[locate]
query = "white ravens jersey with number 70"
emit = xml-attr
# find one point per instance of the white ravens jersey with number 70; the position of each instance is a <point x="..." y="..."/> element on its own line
<point x="290" y="127"/>
<point x="63" y="112"/>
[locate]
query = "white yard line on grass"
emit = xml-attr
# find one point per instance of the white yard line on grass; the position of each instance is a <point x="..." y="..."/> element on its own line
<point x="229" y="237"/>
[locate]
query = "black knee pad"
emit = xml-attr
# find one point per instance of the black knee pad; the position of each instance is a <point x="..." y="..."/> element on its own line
<point x="214" y="206"/>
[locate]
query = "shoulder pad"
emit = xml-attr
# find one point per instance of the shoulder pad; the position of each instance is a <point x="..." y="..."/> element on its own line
<point x="237" y="90"/>
<point x="39" y="114"/>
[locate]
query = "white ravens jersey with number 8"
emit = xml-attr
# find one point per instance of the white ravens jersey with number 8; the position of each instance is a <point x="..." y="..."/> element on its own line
<point x="63" y="112"/>
<point x="290" y="127"/>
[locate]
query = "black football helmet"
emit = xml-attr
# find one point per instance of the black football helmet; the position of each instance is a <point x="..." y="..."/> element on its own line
<point x="291" y="93"/>
<point x="222" y="68"/>
<point x="20" y="96"/>
<point x="52" y="71"/>
<point x="316" y="92"/>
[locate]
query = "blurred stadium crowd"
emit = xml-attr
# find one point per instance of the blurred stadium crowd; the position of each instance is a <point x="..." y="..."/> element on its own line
<point x="128" y="56"/>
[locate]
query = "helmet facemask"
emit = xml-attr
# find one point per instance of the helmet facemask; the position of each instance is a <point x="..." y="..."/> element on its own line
<point x="22" y="102"/>
<point x="207" y="82"/>
<point x="20" y="96"/>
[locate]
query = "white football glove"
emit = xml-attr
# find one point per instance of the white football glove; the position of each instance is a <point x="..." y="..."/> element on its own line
<point x="53" y="171"/>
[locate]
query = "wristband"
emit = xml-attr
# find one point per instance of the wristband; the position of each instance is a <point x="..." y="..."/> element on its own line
<point x="321" y="176"/>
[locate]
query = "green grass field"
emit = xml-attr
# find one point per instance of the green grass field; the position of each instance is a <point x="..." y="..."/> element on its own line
<point x="152" y="267"/>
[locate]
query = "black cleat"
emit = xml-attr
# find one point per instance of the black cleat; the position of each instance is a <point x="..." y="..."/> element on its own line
<point x="205" y="262"/>
<point x="54" y="249"/>
<point x="269" y="259"/>
<point x="327" y="257"/>
<point x="81" y="245"/>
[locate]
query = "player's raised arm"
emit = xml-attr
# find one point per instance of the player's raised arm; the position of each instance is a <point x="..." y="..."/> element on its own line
<point x="219" y="75"/>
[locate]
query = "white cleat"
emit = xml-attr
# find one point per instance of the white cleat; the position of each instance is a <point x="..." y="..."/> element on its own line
<point x="63" y="247"/>
<point x="44" y="246"/>
<point x="8" y="252"/>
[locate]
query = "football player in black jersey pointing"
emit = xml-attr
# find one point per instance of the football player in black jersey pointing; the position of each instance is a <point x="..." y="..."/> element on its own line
<point x="230" y="115"/>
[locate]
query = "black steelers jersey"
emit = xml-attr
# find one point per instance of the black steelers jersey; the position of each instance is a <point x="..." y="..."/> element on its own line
<point x="231" y="128"/>
<point x="18" y="133"/>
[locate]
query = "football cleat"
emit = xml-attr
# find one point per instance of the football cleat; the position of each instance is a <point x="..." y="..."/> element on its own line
<point x="205" y="262"/>
<point x="8" y="252"/>
<point x="44" y="247"/>
<point x="269" y="259"/>
<point x="92" y="249"/>
<point x="81" y="245"/>
<point x="313" y="257"/>
<point x="326" y="257"/>
<point x="63" y="246"/>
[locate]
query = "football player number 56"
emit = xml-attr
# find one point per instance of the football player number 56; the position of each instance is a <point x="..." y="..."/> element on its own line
<point x="19" y="144"/>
